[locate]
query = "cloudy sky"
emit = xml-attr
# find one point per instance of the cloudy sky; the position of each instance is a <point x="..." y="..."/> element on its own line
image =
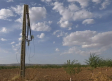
<point x="62" y="29"/>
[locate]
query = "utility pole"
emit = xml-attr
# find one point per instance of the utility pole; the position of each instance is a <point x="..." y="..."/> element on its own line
<point x="25" y="38"/>
<point x="23" y="42"/>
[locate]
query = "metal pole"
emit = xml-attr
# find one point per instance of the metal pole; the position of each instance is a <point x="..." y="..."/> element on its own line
<point x="23" y="44"/>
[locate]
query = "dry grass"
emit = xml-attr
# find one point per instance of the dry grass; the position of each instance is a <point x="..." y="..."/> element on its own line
<point x="16" y="77"/>
<point x="53" y="74"/>
<point x="100" y="77"/>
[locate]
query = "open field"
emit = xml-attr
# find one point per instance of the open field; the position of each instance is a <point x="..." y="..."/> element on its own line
<point x="97" y="69"/>
<point x="52" y="74"/>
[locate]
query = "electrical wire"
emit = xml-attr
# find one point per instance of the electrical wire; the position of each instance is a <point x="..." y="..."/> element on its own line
<point x="34" y="47"/>
<point x="16" y="54"/>
<point x="28" y="54"/>
<point x="34" y="50"/>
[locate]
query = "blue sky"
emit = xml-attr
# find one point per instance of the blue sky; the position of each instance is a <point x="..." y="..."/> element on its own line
<point x="62" y="29"/>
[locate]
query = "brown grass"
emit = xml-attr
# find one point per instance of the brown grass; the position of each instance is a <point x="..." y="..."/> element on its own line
<point x="53" y="74"/>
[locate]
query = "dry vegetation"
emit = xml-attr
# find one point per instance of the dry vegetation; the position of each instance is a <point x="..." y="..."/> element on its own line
<point x="56" y="74"/>
<point x="98" y="70"/>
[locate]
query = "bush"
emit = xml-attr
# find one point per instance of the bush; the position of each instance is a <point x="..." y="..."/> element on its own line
<point x="69" y="67"/>
<point x="8" y="67"/>
<point x="93" y="61"/>
<point x="109" y="63"/>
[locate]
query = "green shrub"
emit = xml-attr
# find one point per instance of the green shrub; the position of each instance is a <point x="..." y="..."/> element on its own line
<point x="108" y="63"/>
<point x="69" y="67"/>
<point x="93" y="61"/>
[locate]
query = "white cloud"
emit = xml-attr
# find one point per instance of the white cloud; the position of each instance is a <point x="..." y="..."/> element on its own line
<point x="2" y="39"/>
<point x="64" y="24"/>
<point x="20" y="34"/>
<point x="12" y="42"/>
<point x="10" y="1"/>
<point x="53" y="42"/>
<point x="78" y="38"/>
<point x="18" y="9"/>
<point x="73" y="7"/>
<point x="95" y="42"/>
<point x="75" y="50"/>
<point x="58" y="7"/>
<point x="40" y="26"/>
<point x="69" y="28"/>
<point x="46" y="0"/>
<point x="74" y="13"/>
<point x="88" y="21"/>
<point x="82" y="14"/>
<point x="105" y="4"/>
<point x="59" y="33"/>
<point x="57" y="49"/>
<point x="70" y="13"/>
<point x="66" y="14"/>
<point x="18" y="44"/>
<point x="16" y="47"/>
<point x="83" y="3"/>
<point x="5" y="13"/>
<point x="103" y="14"/>
<point x="96" y="1"/>
<point x="35" y="13"/>
<point x="77" y="26"/>
<point x="13" y="46"/>
<point x="54" y="33"/>
<point x="50" y="22"/>
<point x="33" y="4"/>
<point x="42" y="35"/>
<point x="4" y="30"/>
<point x="20" y="38"/>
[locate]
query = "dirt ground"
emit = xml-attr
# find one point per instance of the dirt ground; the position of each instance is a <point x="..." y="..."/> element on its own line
<point x="51" y="74"/>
